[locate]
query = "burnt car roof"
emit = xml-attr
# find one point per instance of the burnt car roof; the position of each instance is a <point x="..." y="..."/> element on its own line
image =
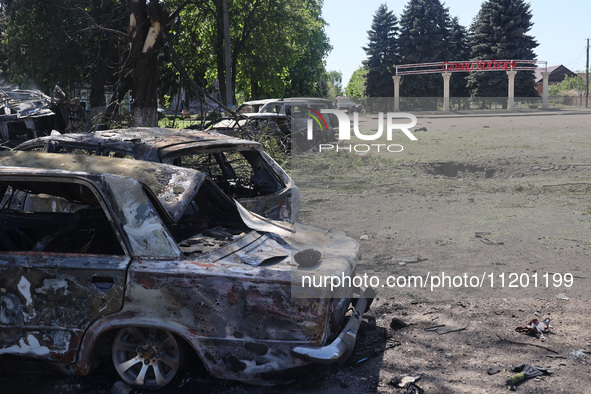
<point x="174" y="187"/>
<point x="148" y="138"/>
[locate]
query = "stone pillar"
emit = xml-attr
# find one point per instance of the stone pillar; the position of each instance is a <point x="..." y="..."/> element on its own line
<point x="396" y="79"/>
<point x="446" y="77"/>
<point x="545" y="75"/>
<point x="511" y="95"/>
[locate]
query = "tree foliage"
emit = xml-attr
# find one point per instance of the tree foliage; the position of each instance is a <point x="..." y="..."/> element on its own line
<point x="64" y="42"/>
<point x="424" y="37"/>
<point x="458" y="49"/>
<point x="382" y="53"/>
<point x="37" y="43"/>
<point x="499" y="32"/>
<point x="570" y="85"/>
<point x="278" y="47"/>
<point x="334" y="81"/>
<point x="356" y="86"/>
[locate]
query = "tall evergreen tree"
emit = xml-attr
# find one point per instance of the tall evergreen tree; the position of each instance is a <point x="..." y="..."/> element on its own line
<point x="382" y="53"/>
<point x="424" y="33"/>
<point x="499" y="32"/>
<point x="458" y="49"/>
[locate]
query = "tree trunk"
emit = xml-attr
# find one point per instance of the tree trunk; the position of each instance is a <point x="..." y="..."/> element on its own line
<point x="145" y="117"/>
<point x="147" y="39"/>
<point x="144" y="93"/>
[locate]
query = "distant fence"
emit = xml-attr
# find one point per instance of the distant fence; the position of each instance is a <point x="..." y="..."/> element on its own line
<point x="417" y="104"/>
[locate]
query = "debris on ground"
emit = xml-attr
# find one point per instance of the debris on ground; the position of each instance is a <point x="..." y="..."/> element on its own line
<point x="412" y="260"/>
<point x="392" y="344"/>
<point x="494" y="370"/>
<point x="408" y="383"/>
<point x="480" y="235"/>
<point x="562" y="296"/>
<point x="536" y="327"/>
<point x="525" y="372"/>
<point x="397" y="324"/>
<point x="578" y="354"/>
<point x="441" y="329"/>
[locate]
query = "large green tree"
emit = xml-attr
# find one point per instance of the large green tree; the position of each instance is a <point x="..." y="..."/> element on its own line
<point x="38" y="44"/>
<point x="64" y="42"/>
<point x="142" y="46"/>
<point x="499" y="32"/>
<point x="278" y="46"/>
<point x="356" y="86"/>
<point x="424" y="35"/>
<point x="382" y="53"/>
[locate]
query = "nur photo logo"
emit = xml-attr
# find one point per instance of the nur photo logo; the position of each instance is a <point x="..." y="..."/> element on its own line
<point x="392" y="120"/>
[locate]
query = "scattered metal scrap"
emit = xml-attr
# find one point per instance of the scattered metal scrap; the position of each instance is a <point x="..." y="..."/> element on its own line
<point x="481" y="236"/>
<point x="408" y="383"/>
<point x="397" y="324"/>
<point x="536" y="327"/>
<point x="525" y="372"/>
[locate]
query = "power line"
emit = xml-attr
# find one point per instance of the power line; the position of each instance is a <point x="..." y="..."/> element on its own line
<point x="578" y="57"/>
<point x="574" y="53"/>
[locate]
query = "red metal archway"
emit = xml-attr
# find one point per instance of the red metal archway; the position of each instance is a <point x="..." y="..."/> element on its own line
<point x="448" y="67"/>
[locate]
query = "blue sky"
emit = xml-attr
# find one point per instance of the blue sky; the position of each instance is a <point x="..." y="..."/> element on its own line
<point x="560" y="27"/>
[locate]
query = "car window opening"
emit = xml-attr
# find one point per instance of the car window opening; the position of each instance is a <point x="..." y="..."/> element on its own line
<point x="54" y="217"/>
<point x="238" y="174"/>
<point x="208" y="223"/>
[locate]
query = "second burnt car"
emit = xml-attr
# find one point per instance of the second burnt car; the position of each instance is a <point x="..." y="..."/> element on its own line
<point x="142" y="263"/>
<point x="285" y="120"/>
<point x="241" y="168"/>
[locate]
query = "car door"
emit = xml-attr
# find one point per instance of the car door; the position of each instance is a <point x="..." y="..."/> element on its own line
<point x="62" y="266"/>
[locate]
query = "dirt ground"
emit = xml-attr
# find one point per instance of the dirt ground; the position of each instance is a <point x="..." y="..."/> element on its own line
<point x="485" y="196"/>
<point x="490" y="197"/>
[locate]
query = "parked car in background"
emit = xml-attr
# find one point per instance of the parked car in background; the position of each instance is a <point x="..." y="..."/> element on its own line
<point x="284" y="119"/>
<point x="256" y="126"/>
<point x="241" y="168"/>
<point x="345" y="103"/>
<point x="143" y="263"/>
<point x="252" y="106"/>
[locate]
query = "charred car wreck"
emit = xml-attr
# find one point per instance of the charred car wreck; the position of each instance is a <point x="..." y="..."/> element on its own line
<point x="26" y="114"/>
<point x="241" y="168"/>
<point x="147" y="261"/>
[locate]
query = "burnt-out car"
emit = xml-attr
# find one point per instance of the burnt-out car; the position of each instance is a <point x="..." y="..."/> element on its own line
<point x="290" y="133"/>
<point x="146" y="263"/>
<point x="26" y="114"/>
<point x="241" y="168"/>
<point x="257" y="126"/>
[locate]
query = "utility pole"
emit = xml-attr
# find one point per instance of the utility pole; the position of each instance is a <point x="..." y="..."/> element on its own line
<point x="587" y="78"/>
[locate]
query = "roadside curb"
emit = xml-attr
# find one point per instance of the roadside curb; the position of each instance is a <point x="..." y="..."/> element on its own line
<point x="502" y="114"/>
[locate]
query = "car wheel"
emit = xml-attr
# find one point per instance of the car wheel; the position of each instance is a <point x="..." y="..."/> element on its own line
<point x="146" y="357"/>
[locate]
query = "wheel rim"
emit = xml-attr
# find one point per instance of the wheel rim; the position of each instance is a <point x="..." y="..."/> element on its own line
<point x="146" y="357"/>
